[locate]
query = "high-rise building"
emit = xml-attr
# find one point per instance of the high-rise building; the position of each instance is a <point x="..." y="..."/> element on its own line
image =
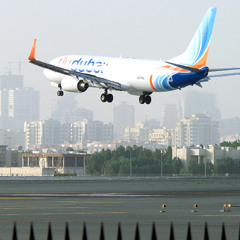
<point x="137" y="134"/>
<point x="53" y="133"/>
<point x="72" y="115"/>
<point x="17" y="104"/>
<point x="77" y="132"/>
<point x="230" y="127"/>
<point x="47" y="133"/>
<point x="23" y="105"/>
<point x="34" y="133"/>
<point x="67" y="110"/>
<point x="3" y="155"/>
<point x="169" y="116"/>
<point x="197" y="130"/>
<point x="5" y="120"/>
<point x="195" y="102"/>
<point x="123" y="116"/>
<point x="11" y="81"/>
<point x="98" y="131"/>
<point x="161" y="137"/>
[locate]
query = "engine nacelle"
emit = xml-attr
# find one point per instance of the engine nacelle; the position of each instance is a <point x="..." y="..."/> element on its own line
<point x="72" y="85"/>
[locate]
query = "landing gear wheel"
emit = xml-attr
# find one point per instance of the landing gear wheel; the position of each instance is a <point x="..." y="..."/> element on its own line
<point x="148" y="99"/>
<point x="103" y="97"/>
<point x="109" y="98"/>
<point x="142" y="99"/>
<point x="60" y="93"/>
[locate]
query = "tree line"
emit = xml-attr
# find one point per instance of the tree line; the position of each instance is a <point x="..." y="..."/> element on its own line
<point x="139" y="161"/>
<point x="132" y="160"/>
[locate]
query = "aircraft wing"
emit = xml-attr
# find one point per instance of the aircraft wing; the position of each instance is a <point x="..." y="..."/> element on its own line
<point x="94" y="80"/>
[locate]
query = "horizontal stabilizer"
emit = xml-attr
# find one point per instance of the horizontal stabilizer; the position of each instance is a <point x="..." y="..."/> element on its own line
<point x="191" y="69"/>
<point x="224" y="75"/>
<point x="223" y="69"/>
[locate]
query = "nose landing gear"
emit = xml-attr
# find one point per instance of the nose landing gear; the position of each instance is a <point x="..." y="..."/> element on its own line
<point x="60" y="92"/>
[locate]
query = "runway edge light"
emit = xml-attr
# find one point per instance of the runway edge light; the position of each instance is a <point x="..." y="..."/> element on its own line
<point x="163" y="208"/>
<point x="195" y="206"/>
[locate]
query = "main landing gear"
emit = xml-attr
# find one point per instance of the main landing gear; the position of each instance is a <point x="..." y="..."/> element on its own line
<point x="145" y="99"/>
<point x="60" y="92"/>
<point x="105" y="97"/>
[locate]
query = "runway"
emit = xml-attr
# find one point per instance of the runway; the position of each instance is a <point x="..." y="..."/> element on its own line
<point x="118" y="200"/>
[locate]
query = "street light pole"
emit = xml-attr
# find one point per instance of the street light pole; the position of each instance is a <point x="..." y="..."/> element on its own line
<point x="161" y="163"/>
<point x="205" y="168"/>
<point x="130" y="163"/>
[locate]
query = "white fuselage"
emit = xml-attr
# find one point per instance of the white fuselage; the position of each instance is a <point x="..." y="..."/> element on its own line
<point x="133" y="74"/>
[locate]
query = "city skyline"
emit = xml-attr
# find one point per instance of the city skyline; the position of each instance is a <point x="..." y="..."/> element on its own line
<point x="70" y="124"/>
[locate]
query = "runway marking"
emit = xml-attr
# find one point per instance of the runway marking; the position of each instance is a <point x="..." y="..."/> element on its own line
<point x="83" y="213"/>
<point x="84" y="202"/>
<point x="10" y="208"/>
<point x="10" y="214"/>
<point x="220" y="215"/>
<point x="16" y="198"/>
<point x="77" y="207"/>
<point x="117" y="212"/>
<point x="91" y="195"/>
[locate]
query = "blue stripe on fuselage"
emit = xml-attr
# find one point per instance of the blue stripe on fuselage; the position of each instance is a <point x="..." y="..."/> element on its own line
<point x="181" y="80"/>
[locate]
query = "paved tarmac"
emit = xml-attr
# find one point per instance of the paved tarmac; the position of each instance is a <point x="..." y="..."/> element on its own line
<point x="114" y="200"/>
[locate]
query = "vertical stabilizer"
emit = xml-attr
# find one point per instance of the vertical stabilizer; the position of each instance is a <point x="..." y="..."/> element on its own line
<point x="197" y="52"/>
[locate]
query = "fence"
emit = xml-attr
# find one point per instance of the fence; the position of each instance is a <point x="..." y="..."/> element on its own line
<point x="119" y="233"/>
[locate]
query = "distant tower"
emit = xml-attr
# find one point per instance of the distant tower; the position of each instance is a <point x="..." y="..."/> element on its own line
<point x="230" y="126"/>
<point x="17" y="104"/>
<point x="195" y="102"/>
<point x="23" y="106"/>
<point x="67" y="110"/>
<point x="11" y="81"/>
<point x="169" y="116"/>
<point x="123" y="116"/>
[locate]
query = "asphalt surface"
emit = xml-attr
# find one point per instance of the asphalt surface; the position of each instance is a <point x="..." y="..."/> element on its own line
<point x="114" y="200"/>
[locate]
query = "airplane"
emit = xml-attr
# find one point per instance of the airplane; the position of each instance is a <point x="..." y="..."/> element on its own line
<point x="76" y="73"/>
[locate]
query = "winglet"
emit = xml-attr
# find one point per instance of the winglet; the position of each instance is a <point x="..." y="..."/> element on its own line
<point x="32" y="53"/>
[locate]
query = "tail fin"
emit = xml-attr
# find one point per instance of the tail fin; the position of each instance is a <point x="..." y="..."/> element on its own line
<point x="197" y="52"/>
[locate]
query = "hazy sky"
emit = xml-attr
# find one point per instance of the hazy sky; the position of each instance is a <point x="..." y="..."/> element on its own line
<point x="153" y="29"/>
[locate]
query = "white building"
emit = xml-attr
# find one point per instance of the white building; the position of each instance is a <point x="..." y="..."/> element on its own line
<point x="40" y="134"/>
<point x="199" y="129"/>
<point x="137" y="134"/>
<point x="34" y="133"/>
<point x="213" y="154"/>
<point x="162" y="137"/>
<point x="77" y="131"/>
<point x="53" y="133"/>
<point x="99" y="146"/>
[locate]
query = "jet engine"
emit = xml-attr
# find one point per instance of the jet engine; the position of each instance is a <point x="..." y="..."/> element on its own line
<point x="72" y="85"/>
